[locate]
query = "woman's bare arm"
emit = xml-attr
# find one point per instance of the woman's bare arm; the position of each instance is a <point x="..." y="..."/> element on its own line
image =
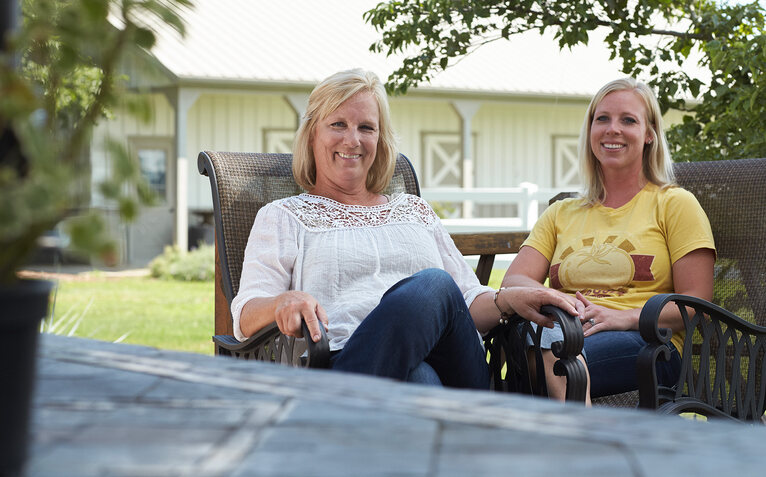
<point x="287" y="309"/>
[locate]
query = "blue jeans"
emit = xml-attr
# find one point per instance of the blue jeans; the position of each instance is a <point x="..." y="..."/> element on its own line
<point x="421" y="319"/>
<point x="611" y="357"/>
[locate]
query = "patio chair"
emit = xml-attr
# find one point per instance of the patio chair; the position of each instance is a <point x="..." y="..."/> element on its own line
<point x="724" y="353"/>
<point x="723" y="356"/>
<point x="241" y="183"/>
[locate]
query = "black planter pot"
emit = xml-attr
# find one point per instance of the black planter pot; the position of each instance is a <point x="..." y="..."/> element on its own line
<point x="22" y="306"/>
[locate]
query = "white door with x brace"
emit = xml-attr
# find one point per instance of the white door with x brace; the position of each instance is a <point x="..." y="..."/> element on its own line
<point x="565" y="162"/>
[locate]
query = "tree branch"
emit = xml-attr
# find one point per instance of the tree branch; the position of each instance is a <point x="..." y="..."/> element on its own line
<point x="72" y="148"/>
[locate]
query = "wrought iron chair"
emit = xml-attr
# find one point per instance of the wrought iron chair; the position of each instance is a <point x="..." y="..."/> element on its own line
<point x="241" y="183"/>
<point x="724" y="353"/>
<point x="723" y="357"/>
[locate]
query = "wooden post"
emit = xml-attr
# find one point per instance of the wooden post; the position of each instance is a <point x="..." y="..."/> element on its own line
<point x="487" y="245"/>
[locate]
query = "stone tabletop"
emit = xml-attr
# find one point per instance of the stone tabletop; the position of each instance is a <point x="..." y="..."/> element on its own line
<point x="105" y="409"/>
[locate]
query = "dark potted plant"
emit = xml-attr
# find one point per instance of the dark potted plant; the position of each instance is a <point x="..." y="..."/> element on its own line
<point x="59" y="75"/>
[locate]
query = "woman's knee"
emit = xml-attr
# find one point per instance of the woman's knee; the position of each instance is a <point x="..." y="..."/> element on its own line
<point x="612" y="346"/>
<point x="429" y="293"/>
<point x="435" y="277"/>
<point x="434" y="282"/>
<point x="431" y="282"/>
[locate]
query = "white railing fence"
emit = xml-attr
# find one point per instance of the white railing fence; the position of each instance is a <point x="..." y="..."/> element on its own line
<point x="527" y="198"/>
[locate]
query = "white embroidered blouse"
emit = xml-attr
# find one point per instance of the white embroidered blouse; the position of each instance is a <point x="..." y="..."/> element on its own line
<point x="345" y="256"/>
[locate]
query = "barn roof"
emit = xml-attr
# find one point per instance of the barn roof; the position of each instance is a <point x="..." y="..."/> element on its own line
<point x="300" y="42"/>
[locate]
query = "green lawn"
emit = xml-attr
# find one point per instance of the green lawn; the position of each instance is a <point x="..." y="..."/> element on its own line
<point x="159" y="313"/>
<point x="495" y="278"/>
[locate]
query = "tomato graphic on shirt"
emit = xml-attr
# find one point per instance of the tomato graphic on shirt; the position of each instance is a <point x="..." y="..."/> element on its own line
<point x="602" y="267"/>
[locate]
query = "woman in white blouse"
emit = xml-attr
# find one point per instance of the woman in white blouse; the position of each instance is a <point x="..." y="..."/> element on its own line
<point x="379" y="272"/>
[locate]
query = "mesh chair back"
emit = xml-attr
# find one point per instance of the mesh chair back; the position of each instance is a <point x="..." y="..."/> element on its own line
<point x="242" y="183"/>
<point x="733" y="194"/>
<point x="726" y="362"/>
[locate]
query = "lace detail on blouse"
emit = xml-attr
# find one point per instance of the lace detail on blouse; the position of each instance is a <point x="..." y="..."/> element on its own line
<point x="320" y="213"/>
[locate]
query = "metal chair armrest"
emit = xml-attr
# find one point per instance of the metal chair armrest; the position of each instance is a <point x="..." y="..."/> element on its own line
<point x="720" y="370"/>
<point x="507" y="345"/>
<point x="228" y="345"/>
<point x="319" y="352"/>
<point x="269" y="344"/>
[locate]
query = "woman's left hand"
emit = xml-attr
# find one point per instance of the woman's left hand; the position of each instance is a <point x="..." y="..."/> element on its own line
<point x="595" y="318"/>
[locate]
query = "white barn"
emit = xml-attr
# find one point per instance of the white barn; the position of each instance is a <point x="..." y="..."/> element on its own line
<point x="507" y="115"/>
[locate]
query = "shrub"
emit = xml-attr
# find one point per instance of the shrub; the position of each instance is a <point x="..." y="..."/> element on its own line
<point x="196" y="265"/>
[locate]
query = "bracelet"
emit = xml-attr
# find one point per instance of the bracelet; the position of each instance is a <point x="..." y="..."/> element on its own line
<point x="504" y="317"/>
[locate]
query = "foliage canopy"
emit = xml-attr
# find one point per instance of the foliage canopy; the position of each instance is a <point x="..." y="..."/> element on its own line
<point x="728" y="118"/>
<point x="59" y="75"/>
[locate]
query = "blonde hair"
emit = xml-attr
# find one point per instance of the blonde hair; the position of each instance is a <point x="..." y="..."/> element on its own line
<point x="326" y="97"/>
<point x="657" y="165"/>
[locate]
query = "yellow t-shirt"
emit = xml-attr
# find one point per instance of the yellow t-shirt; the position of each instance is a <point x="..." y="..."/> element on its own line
<point x="619" y="258"/>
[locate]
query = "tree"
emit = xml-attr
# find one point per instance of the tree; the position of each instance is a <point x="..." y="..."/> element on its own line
<point x="59" y="75"/>
<point x="728" y="118"/>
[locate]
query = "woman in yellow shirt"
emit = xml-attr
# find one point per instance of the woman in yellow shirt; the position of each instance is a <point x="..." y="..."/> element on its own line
<point x="631" y="235"/>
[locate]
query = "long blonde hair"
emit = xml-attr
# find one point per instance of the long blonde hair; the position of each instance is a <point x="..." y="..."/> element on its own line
<point x="657" y="165"/>
<point x="326" y="98"/>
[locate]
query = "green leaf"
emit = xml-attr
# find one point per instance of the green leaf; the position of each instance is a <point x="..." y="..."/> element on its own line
<point x="95" y="9"/>
<point x="144" y="38"/>
<point x="68" y="80"/>
<point x="128" y="209"/>
<point x="109" y="189"/>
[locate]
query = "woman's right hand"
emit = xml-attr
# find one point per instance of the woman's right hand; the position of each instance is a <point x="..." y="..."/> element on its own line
<point x="527" y="301"/>
<point x="292" y="306"/>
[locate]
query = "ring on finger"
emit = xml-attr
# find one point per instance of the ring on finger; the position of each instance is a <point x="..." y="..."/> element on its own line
<point x="592" y="322"/>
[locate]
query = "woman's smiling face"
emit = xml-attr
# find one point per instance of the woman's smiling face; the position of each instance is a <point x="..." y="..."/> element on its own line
<point x="619" y="131"/>
<point x="345" y="143"/>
